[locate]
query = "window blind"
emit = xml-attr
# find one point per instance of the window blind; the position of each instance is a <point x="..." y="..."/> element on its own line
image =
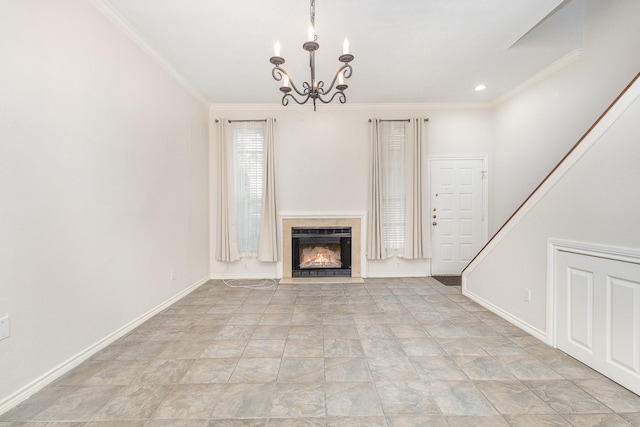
<point x="392" y="137"/>
<point x="248" y="165"/>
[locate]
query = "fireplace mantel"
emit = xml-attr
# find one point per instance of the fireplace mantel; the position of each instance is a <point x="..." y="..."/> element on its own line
<point x="355" y="222"/>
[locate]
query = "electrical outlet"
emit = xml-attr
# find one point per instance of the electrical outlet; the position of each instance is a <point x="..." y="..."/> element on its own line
<point x="5" y="329"/>
<point x="173" y="274"/>
<point x="527" y="295"/>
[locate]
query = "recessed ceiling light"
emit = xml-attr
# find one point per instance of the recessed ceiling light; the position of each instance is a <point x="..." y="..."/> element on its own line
<point x="480" y="87"/>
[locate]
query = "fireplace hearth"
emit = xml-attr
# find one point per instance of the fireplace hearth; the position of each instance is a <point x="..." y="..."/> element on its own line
<point x="321" y="251"/>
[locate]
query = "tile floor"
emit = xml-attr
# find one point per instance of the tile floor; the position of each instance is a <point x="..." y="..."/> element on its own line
<point x="389" y="352"/>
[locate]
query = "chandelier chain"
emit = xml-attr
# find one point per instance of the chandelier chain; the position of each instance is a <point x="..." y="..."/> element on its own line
<point x="312" y="12"/>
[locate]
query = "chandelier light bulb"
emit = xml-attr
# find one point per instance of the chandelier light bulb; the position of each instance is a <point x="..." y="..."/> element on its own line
<point x="311" y="34"/>
<point x="276" y="49"/>
<point x="345" y="47"/>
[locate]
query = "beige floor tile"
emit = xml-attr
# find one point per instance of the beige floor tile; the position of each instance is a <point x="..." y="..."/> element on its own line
<point x="302" y="370"/>
<point x="346" y="369"/>
<point x="256" y="370"/>
<point x="392" y="369"/>
<point x="387" y="352"/>
<point x="352" y="399"/>
<point x="292" y="400"/>
<point x="406" y="398"/>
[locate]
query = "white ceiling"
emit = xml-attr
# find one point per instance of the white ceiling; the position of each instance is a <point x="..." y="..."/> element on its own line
<point x="406" y="51"/>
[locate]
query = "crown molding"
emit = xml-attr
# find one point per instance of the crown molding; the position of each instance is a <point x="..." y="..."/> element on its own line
<point x="119" y="21"/>
<point x="539" y="76"/>
<point x="352" y="107"/>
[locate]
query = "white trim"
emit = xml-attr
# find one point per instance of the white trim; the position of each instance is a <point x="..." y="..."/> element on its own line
<point x="598" y="250"/>
<point x="590" y="249"/>
<point x="322" y="214"/>
<point x="587" y="142"/>
<point x="532" y="330"/>
<point x="245" y="276"/>
<point x="123" y="25"/>
<point x="27" y="391"/>
<point x="396" y="275"/>
<point x="355" y="107"/>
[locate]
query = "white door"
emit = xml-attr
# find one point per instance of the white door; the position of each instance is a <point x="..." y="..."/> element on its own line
<point x="456" y="213"/>
<point x="598" y="314"/>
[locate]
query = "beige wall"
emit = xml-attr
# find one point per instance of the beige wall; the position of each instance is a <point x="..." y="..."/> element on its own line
<point x="322" y="162"/>
<point x="536" y="128"/>
<point x="103" y="185"/>
<point x="594" y="203"/>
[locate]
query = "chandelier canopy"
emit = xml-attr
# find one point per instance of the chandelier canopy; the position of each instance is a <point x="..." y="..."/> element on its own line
<point x="314" y="89"/>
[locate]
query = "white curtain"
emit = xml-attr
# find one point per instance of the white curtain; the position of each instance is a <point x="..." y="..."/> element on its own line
<point x="397" y="221"/>
<point x="417" y="241"/>
<point x="269" y="241"/>
<point x="226" y="247"/>
<point x="375" y="229"/>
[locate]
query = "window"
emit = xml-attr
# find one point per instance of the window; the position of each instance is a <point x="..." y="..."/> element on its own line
<point x="248" y="161"/>
<point x="392" y="140"/>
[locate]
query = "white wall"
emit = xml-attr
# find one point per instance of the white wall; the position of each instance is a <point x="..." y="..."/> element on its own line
<point x="103" y="185"/>
<point x="534" y="129"/>
<point x="322" y="161"/>
<point x="596" y="203"/>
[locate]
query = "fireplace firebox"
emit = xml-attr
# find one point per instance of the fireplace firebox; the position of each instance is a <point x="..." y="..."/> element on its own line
<point x="321" y="251"/>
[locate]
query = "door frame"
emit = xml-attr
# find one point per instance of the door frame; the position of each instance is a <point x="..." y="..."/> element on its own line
<point x="485" y="194"/>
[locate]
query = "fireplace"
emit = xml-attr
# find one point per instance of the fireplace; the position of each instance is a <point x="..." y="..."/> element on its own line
<point x="321" y="251"/>
<point x="306" y="221"/>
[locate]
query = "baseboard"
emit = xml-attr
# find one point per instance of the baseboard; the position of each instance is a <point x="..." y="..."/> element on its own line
<point x="541" y="335"/>
<point x="395" y="275"/>
<point x="320" y="280"/>
<point x="247" y="276"/>
<point x="27" y="391"/>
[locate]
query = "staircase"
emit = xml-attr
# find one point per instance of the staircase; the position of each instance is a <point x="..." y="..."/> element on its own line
<point x="589" y="204"/>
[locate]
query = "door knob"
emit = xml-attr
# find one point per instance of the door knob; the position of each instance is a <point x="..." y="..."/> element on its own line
<point x="434" y="223"/>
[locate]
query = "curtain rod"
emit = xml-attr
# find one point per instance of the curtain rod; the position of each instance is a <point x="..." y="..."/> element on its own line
<point x="398" y="120"/>
<point x="245" y="121"/>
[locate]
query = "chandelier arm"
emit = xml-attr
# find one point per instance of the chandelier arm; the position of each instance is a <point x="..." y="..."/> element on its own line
<point x="342" y="97"/>
<point x="347" y="73"/>
<point x="285" y="99"/>
<point x="278" y="74"/>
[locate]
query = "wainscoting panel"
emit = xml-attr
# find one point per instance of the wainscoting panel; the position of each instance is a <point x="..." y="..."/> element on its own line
<point x="623" y="319"/>
<point x="598" y="313"/>
<point x="580" y="309"/>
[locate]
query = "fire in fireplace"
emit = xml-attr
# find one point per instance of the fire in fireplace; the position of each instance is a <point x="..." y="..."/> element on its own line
<point x="321" y="251"/>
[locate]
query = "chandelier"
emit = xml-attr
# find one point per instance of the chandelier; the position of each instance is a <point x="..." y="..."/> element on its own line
<point x="314" y="89"/>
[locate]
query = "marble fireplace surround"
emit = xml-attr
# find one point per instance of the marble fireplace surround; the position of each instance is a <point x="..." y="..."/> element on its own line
<point x="355" y="222"/>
